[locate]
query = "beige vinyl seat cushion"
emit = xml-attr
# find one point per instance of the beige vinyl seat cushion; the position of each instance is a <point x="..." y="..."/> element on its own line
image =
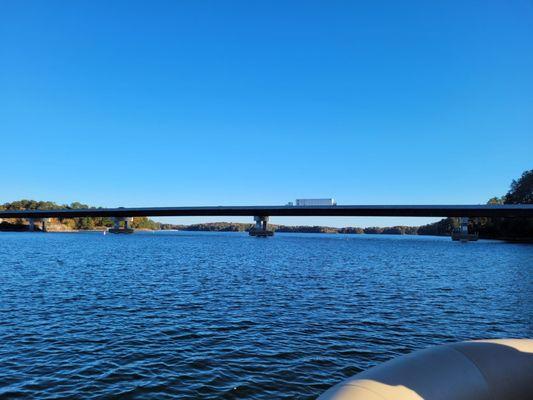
<point x="477" y="370"/>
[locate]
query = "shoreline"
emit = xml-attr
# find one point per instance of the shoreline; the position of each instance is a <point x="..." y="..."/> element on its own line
<point x="101" y="230"/>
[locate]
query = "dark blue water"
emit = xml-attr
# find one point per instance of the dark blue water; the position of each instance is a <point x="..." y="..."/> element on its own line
<point x="178" y="315"/>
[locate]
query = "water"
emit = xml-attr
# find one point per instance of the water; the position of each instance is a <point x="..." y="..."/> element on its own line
<point x="223" y="315"/>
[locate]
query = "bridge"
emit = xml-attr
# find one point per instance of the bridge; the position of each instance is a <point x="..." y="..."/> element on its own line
<point x="261" y="214"/>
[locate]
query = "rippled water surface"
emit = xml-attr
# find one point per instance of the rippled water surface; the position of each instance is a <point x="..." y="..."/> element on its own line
<point x="180" y="315"/>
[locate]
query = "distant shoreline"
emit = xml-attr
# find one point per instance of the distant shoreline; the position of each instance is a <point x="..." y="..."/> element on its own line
<point x="232" y="228"/>
<point x="235" y="227"/>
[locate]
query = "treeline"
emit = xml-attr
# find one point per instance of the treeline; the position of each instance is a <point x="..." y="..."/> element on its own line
<point x="210" y="227"/>
<point x="520" y="229"/>
<point x="241" y="227"/>
<point x="393" y="230"/>
<point x="65" y="224"/>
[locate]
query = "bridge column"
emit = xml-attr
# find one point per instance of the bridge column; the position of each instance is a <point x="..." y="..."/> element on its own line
<point x="261" y="227"/>
<point x="44" y="224"/>
<point x="462" y="234"/>
<point x="31" y="224"/>
<point x="125" y="229"/>
<point x="464" y="225"/>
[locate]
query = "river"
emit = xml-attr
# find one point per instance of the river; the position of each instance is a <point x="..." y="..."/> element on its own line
<point x="224" y="315"/>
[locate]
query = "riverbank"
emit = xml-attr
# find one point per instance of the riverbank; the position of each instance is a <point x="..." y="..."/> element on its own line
<point x="230" y="227"/>
<point x="243" y="227"/>
<point x="239" y="227"/>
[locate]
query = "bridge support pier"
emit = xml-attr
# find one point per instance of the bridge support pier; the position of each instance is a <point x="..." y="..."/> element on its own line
<point x="464" y="225"/>
<point x="126" y="228"/>
<point x="462" y="234"/>
<point x="43" y="221"/>
<point x="261" y="227"/>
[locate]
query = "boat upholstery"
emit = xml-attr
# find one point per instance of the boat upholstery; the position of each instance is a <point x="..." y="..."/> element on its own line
<point x="500" y="369"/>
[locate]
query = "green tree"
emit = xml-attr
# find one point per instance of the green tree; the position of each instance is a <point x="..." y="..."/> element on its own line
<point x="521" y="191"/>
<point x="84" y="223"/>
<point x="496" y="200"/>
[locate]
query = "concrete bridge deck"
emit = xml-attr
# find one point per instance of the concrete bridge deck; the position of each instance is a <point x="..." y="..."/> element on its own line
<point x="508" y="210"/>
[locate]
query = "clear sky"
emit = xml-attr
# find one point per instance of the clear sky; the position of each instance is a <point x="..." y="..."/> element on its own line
<point x="154" y="103"/>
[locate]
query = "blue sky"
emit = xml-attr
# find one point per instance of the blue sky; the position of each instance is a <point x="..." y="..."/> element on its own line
<point x="251" y="102"/>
